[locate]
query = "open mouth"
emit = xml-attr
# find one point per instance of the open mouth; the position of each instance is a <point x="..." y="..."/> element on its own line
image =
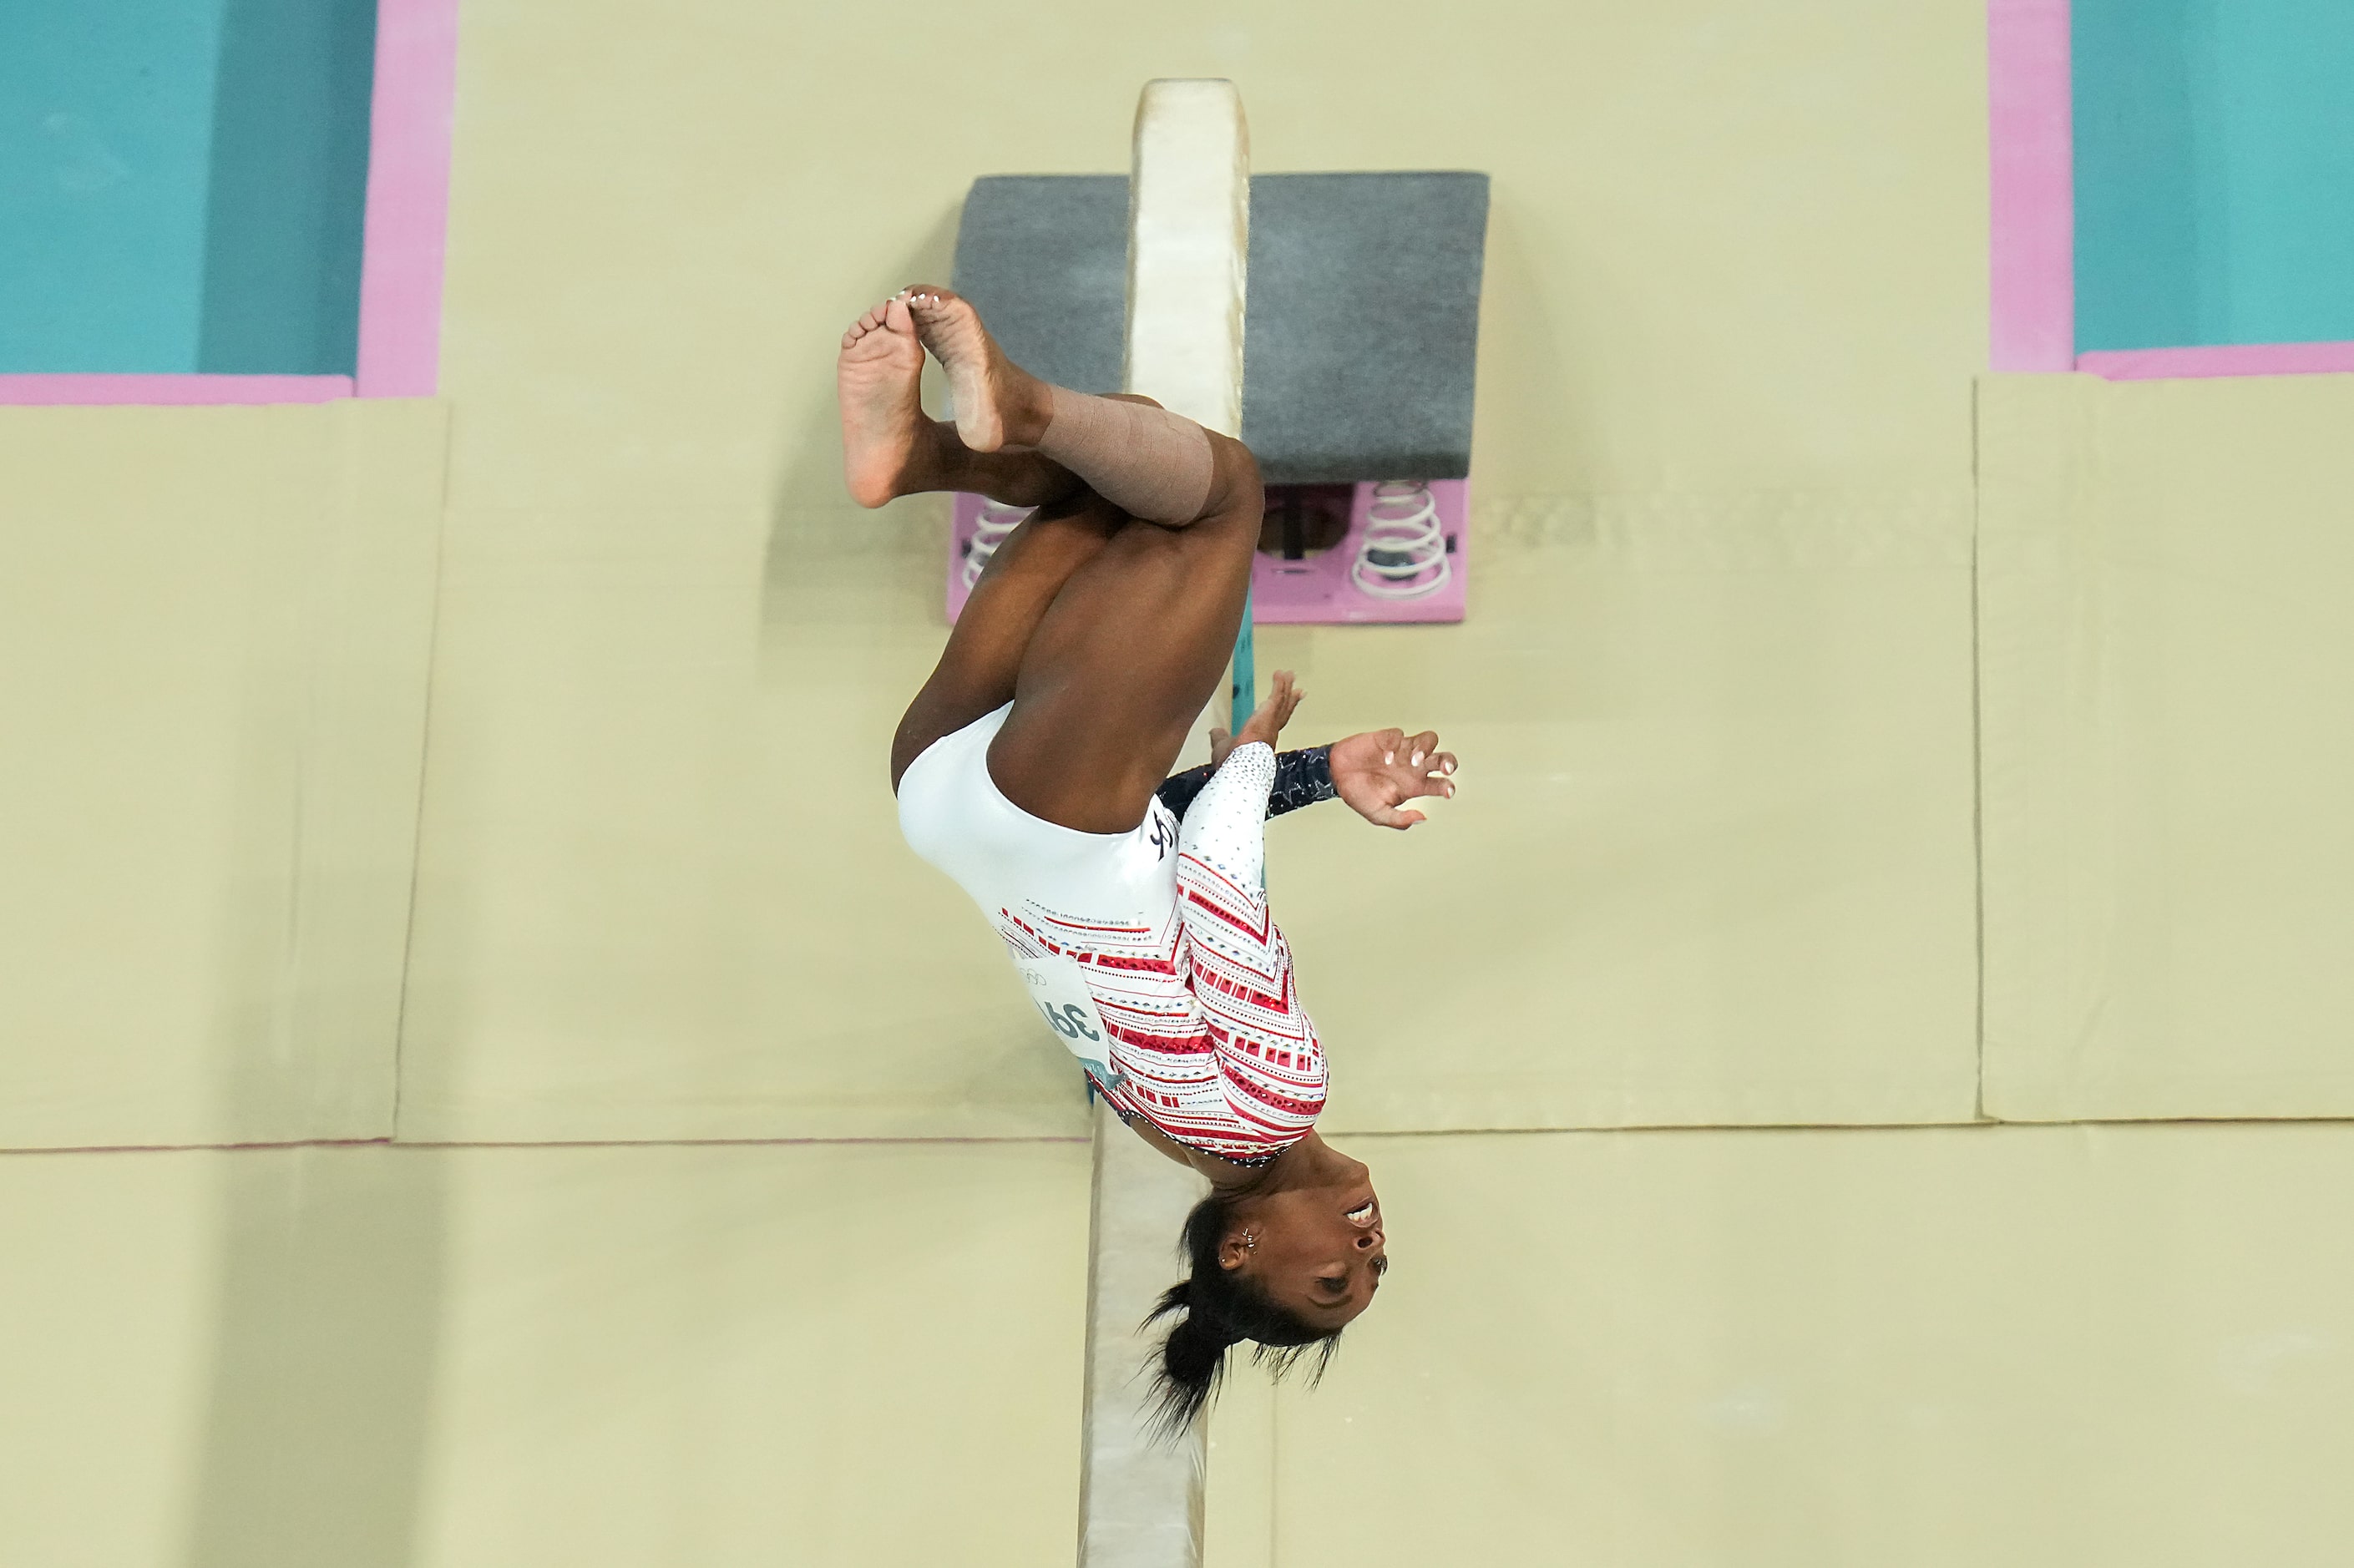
<point x="1362" y="1214"/>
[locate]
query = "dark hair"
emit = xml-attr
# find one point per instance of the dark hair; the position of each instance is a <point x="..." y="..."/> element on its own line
<point x="1222" y="1309"/>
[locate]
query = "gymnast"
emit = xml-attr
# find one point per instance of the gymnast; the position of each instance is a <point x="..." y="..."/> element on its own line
<point x="1031" y="768"/>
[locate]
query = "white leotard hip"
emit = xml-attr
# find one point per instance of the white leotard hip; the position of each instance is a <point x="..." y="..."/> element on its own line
<point x="952" y="813"/>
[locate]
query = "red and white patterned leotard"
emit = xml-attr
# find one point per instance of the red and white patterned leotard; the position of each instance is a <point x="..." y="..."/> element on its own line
<point x="1151" y="953"/>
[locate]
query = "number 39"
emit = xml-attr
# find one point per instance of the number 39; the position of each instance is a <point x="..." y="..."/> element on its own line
<point x="1069" y="1022"/>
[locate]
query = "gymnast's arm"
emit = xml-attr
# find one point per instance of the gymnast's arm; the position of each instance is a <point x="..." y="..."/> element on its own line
<point x="1301" y="779"/>
<point x="1376" y="773"/>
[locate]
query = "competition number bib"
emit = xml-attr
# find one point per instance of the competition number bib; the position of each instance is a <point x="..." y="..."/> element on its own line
<point x="1059" y="992"/>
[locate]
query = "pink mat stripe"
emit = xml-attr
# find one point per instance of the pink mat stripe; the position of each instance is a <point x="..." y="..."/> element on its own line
<point x="2031" y="187"/>
<point x="54" y="391"/>
<point x="2223" y="359"/>
<point x="408" y="197"/>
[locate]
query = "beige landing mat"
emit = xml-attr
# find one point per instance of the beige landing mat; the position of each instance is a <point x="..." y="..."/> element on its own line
<point x="663" y="894"/>
<point x="214" y="624"/>
<point x="1711" y="860"/>
<point x="1944" y="1347"/>
<point x="2168" y="715"/>
<point x="397" y="1358"/>
<point x="661" y="891"/>
<point x="1734" y="246"/>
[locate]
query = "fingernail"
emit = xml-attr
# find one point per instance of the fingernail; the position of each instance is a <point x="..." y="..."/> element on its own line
<point x="1389" y="756"/>
<point x="1417" y="760"/>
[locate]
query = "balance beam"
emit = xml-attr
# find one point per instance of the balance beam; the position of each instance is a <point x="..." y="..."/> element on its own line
<point x="1189" y="239"/>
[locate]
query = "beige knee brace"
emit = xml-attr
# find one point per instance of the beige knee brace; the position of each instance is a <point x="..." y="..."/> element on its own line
<point x="1148" y="462"/>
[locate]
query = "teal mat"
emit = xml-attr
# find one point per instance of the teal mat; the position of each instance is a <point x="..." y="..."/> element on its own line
<point x="2214" y="171"/>
<point x="183" y="183"/>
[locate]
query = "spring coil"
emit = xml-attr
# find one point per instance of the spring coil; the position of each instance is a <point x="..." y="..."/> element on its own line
<point x="1403" y="554"/>
<point x="989" y="531"/>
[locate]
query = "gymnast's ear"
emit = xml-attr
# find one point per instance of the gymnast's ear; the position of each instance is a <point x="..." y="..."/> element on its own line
<point x="1234" y="1249"/>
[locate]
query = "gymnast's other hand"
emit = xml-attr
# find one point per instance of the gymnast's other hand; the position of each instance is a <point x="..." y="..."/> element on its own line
<point x="1265" y="723"/>
<point x="1378" y="772"/>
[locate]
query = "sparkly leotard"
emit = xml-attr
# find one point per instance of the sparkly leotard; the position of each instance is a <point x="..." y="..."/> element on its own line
<point x="1150" y="953"/>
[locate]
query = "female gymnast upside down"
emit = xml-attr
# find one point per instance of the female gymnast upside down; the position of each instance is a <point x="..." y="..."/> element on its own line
<point x="1032" y="769"/>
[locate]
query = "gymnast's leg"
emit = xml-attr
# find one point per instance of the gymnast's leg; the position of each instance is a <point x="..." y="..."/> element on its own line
<point x="890" y="449"/>
<point x="1120" y="663"/>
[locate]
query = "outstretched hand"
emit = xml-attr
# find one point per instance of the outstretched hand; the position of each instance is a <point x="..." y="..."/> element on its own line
<point x="1378" y="772"/>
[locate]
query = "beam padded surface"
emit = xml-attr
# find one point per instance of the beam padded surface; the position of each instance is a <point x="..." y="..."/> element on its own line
<point x="1189" y="242"/>
<point x="1188" y="245"/>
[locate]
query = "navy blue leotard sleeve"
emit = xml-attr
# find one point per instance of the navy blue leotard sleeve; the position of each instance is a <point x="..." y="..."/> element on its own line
<point x="1301" y="779"/>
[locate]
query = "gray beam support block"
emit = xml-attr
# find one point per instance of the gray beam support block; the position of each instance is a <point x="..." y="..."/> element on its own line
<point x="1363" y="312"/>
<point x="1365" y="325"/>
<point x="1044" y="258"/>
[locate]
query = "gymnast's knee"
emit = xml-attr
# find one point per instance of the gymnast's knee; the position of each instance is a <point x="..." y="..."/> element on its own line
<point x="1236" y="488"/>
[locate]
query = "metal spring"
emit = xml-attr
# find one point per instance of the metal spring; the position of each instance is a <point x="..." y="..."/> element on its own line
<point x="989" y="531"/>
<point x="1403" y="554"/>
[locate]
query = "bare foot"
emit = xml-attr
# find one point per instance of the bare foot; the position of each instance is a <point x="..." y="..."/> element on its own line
<point x="998" y="403"/>
<point x="1266" y="721"/>
<point x="878" y="379"/>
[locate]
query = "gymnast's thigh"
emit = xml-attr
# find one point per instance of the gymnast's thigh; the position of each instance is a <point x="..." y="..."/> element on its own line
<point x="983" y="662"/>
<point x="1120" y="668"/>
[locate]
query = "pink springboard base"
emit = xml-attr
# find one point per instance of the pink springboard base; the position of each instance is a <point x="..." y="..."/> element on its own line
<point x="1318" y="590"/>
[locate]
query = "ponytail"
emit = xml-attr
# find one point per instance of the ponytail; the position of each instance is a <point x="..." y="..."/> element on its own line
<point x="1220" y="1309"/>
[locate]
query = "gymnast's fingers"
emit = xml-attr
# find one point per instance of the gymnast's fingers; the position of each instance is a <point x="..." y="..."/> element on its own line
<point x="1427" y="781"/>
<point x="1385" y="814"/>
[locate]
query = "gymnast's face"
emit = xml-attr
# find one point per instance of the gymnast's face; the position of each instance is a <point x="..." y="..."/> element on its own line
<point x="1317" y="1251"/>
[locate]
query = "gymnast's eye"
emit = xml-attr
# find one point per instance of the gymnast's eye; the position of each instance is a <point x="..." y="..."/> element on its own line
<point x="1381" y="1266"/>
<point x="1337" y="1283"/>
